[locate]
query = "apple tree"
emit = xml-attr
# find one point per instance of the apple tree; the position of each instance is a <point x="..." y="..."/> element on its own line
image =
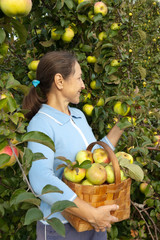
<point x="118" y="50"/>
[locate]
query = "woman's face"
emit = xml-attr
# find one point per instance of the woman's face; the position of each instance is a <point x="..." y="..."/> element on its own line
<point x="73" y="85"/>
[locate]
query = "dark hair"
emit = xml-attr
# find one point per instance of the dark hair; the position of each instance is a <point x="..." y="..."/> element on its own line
<point x="51" y="63"/>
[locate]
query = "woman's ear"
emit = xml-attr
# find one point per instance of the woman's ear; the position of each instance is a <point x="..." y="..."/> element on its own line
<point x="58" y="80"/>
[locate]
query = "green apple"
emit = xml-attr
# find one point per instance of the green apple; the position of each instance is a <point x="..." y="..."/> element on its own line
<point x="102" y="36"/>
<point x="90" y="15"/>
<point x="68" y="35"/>
<point x="86" y="97"/>
<point x="14" y="8"/>
<point x="100" y="102"/>
<point x="143" y="187"/>
<point x="118" y="109"/>
<point x="110" y="174"/>
<point x="93" y="85"/>
<point x="91" y="59"/>
<point x="125" y="156"/>
<point x="115" y="26"/>
<point x="100" y="156"/>
<point x="83" y="155"/>
<point x="55" y="36"/>
<point x="32" y="75"/>
<point x="7" y="150"/>
<point x="100" y="7"/>
<point x="33" y="65"/>
<point x="115" y="63"/>
<point x="96" y="174"/>
<point x="88" y="109"/>
<point x="4" y="49"/>
<point x="86" y="182"/>
<point x="74" y="175"/>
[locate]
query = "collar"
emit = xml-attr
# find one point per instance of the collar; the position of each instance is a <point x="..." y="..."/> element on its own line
<point x="59" y="116"/>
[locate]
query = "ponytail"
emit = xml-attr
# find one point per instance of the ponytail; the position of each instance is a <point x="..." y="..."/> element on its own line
<point x="32" y="102"/>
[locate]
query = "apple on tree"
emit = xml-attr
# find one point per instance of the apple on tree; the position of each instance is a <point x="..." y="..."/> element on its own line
<point x="119" y="109"/>
<point x="54" y="35"/>
<point x="115" y="26"/>
<point x="94" y="85"/>
<point x="88" y="109"/>
<point x="14" y="8"/>
<point x="68" y="35"/>
<point x="102" y="36"/>
<point x="96" y="174"/>
<point x="33" y="65"/>
<point x="83" y="155"/>
<point x="7" y="150"/>
<point x="115" y="63"/>
<point x="91" y="59"/>
<point x="100" y="7"/>
<point x="100" y="156"/>
<point x="100" y="102"/>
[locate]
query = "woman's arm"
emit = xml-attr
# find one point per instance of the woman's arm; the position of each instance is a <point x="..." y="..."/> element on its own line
<point x="114" y="135"/>
<point x="100" y="218"/>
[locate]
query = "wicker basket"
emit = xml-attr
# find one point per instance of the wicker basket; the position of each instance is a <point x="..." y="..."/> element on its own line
<point x="105" y="194"/>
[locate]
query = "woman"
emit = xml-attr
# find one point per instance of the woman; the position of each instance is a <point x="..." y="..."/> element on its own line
<point x="60" y="83"/>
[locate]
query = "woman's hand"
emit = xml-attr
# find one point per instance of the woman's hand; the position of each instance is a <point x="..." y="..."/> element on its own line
<point x="102" y="217"/>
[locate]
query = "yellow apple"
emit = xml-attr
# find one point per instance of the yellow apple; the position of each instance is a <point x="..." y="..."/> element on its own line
<point x="96" y="174"/>
<point x="83" y="155"/>
<point x="100" y="156"/>
<point x="33" y="65"/>
<point x="100" y="7"/>
<point x="4" y="49"/>
<point x="102" y="36"/>
<point x="115" y="63"/>
<point x="91" y="59"/>
<point x="55" y="36"/>
<point x="14" y="8"/>
<point x="118" y="109"/>
<point x="90" y="15"/>
<point x="7" y="150"/>
<point x="115" y="26"/>
<point x="143" y="187"/>
<point x="68" y="35"/>
<point x="132" y="120"/>
<point x="100" y="102"/>
<point x="74" y="175"/>
<point x="86" y="182"/>
<point x="32" y="75"/>
<point x="86" y="97"/>
<point x="93" y="85"/>
<point x="88" y="109"/>
<point x="125" y="156"/>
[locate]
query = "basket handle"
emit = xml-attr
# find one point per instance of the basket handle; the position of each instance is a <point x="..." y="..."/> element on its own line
<point x="112" y="157"/>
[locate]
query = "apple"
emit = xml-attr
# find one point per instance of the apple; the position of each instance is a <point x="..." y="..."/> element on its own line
<point x="90" y="15"/>
<point x="143" y="187"/>
<point x="96" y="174"/>
<point x="33" y="65"/>
<point x="110" y="174"/>
<point x="4" y="49"/>
<point x="32" y="75"/>
<point x="55" y="36"/>
<point x="156" y="139"/>
<point x="83" y="155"/>
<point x="115" y="26"/>
<point x="14" y="8"/>
<point x="132" y="120"/>
<point x="91" y="59"/>
<point x="100" y="102"/>
<point x="80" y="1"/>
<point x="86" y="182"/>
<point x="115" y="63"/>
<point x="102" y="36"/>
<point x="100" y="7"/>
<point x="118" y="109"/>
<point x="68" y="35"/>
<point x="93" y="85"/>
<point x="7" y="150"/>
<point x="100" y="155"/>
<point x="86" y="97"/>
<point x="74" y="175"/>
<point x="125" y="155"/>
<point x="88" y="109"/>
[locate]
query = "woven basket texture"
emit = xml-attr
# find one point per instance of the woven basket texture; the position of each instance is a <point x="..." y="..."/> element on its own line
<point x="100" y="195"/>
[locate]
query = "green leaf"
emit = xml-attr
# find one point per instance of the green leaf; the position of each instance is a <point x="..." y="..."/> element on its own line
<point x="2" y="211"/>
<point x="142" y="72"/>
<point x="135" y="172"/>
<point x="12" y="82"/>
<point x="38" y="156"/>
<point x="60" y="206"/>
<point x="12" y="105"/>
<point x="64" y="160"/>
<point x="32" y="215"/>
<point x="50" y="189"/>
<point x="47" y="43"/>
<point x="4" y="158"/>
<point x="2" y="35"/>
<point x="83" y="4"/>
<point x="39" y="137"/>
<point x="69" y="3"/>
<point x="57" y="225"/>
<point x="3" y="103"/>
<point x="15" y="195"/>
<point x="26" y="197"/>
<point x="85" y="164"/>
<point x="20" y="29"/>
<point x="142" y="34"/>
<point x="82" y="18"/>
<point x="27" y="156"/>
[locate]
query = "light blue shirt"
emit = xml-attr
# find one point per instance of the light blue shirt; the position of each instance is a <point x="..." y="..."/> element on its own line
<point x="70" y="135"/>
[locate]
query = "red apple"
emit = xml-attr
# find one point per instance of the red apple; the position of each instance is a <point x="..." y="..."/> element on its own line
<point x="100" y="155"/>
<point x="96" y="174"/>
<point x="84" y="155"/>
<point x="7" y="150"/>
<point x="74" y="175"/>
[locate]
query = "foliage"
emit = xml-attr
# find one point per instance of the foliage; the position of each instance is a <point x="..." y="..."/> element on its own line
<point x="135" y="82"/>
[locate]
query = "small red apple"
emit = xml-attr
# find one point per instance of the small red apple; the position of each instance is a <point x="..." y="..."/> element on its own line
<point x="7" y="150"/>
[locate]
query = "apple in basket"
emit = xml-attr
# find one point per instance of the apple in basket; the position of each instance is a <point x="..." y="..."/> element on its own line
<point x="100" y="156"/>
<point x="83" y="155"/>
<point x="110" y="174"/>
<point x="74" y="174"/>
<point x="96" y="174"/>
